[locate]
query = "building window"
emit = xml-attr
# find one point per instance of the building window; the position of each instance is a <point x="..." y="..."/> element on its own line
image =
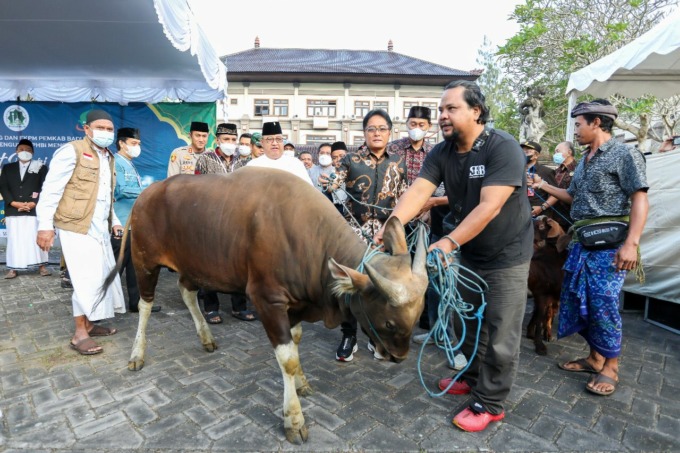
<point x="234" y="101"/>
<point x="316" y="140"/>
<point x="433" y="106"/>
<point x="382" y="105"/>
<point x="361" y="108"/>
<point x="261" y="107"/>
<point x="321" y="108"/>
<point x="358" y="140"/>
<point x="407" y="108"/>
<point x="281" y="107"/>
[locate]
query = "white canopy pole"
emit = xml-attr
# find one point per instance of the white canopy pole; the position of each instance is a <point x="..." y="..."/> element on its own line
<point x="570" y="121"/>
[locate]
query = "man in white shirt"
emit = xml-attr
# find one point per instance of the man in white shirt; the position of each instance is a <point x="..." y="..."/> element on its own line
<point x="77" y="199"/>
<point x="272" y="145"/>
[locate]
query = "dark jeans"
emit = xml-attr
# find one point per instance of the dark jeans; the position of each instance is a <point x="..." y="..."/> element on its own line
<point x="130" y="276"/>
<point x="493" y="370"/>
<point x="212" y="303"/>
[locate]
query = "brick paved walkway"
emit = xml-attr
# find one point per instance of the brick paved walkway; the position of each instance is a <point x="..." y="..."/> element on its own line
<point x="188" y="400"/>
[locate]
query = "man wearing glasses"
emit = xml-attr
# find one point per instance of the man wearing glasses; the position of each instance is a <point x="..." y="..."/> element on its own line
<point x="272" y="145"/>
<point x="374" y="178"/>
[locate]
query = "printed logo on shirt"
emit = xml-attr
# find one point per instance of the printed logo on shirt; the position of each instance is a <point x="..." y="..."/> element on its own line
<point x="477" y="171"/>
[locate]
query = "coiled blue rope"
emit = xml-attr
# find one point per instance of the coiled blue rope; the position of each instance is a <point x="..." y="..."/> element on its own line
<point x="447" y="275"/>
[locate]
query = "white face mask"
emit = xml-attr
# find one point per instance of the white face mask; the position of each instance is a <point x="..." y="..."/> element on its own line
<point x="24" y="156"/>
<point x="325" y="160"/>
<point x="416" y="134"/>
<point x="228" y="149"/>
<point x="244" y="150"/>
<point x="289" y="153"/>
<point x="134" y="151"/>
<point x="103" y="139"/>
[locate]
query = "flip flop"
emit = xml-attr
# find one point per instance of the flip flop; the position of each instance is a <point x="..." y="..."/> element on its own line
<point x="213" y="317"/>
<point x="585" y="366"/>
<point x="83" y="347"/>
<point x="101" y="331"/>
<point x="45" y="272"/>
<point x="11" y="274"/>
<point x="245" y="315"/>
<point x="602" y="379"/>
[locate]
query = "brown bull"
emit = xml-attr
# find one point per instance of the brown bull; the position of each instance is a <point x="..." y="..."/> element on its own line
<point x="272" y="236"/>
<point x="545" y="279"/>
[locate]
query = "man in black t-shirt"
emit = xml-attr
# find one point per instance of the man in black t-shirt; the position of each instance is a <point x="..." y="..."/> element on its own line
<point x="483" y="171"/>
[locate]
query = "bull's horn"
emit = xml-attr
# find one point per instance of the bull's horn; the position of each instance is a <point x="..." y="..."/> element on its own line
<point x="394" y="237"/>
<point x="395" y="292"/>
<point x="420" y="257"/>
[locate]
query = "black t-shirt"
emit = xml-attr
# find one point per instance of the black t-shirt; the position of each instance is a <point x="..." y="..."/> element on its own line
<point x="507" y="240"/>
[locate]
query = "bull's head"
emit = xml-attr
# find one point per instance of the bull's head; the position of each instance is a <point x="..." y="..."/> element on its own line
<point x="390" y="294"/>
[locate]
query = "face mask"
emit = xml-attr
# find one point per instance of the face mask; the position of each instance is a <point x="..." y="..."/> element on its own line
<point x="416" y="134"/>
<point x="558" y="158"/>
<point x="325" y="160"/>
<point x="228" y="149"/>
<point x="289" y="153"/>
<point x="244" y="150"/>
<point x="134" y="151"/>
<point x="103" y="139"/>
<point x="25" y="156"/>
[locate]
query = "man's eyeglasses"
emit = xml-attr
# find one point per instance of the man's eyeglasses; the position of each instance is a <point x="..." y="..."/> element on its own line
<point x="272" y="139"/>
<point x="373" y="129"/>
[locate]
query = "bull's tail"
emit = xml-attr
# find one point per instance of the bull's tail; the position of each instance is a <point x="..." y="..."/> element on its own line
<point x="116" y="269"/>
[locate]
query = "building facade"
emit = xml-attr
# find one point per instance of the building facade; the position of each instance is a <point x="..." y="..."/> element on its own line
<point x="322" y="95"/>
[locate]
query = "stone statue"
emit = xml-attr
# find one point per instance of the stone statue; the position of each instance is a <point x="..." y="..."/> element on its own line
<point x="532" y="127"/>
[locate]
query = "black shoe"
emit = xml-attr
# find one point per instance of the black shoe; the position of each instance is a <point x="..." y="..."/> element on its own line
<point x="347" y="348"/>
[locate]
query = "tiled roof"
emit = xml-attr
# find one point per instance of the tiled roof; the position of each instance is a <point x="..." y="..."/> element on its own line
<point x="327" y="61"/>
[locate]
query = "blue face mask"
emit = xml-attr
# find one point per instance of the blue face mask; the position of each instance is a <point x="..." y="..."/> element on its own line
<point x="558" y="158"/>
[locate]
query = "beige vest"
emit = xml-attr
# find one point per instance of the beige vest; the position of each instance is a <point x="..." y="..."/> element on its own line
<point x="76" y="207"/>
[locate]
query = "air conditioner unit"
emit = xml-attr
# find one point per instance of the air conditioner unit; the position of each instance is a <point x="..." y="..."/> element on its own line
<point x="320" y="122"/>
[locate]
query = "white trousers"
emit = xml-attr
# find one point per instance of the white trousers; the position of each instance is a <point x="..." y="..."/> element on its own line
<point x="22" y="249"/>
<point x="89" y="261"/>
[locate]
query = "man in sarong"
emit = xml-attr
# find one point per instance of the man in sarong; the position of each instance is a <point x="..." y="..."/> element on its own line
<point x="609" y="185"/>
<point x="77" y="200"/>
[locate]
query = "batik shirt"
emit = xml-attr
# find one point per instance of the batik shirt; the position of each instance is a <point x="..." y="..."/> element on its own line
<point x="372" y="180"/>
<point x="414" y="159"/>
<point x="211" y="163"/>
<point x="603" y="186"/>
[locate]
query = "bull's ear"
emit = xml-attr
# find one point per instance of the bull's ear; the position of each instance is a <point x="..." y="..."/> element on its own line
<point x="394" y="237"/>
<point x="347" y="280"/>
<point x="563" y="242"/>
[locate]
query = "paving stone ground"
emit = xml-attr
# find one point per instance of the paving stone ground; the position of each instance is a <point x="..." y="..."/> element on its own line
<point x="185" y="399"/>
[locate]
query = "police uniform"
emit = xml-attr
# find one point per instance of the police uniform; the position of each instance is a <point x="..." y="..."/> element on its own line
<point x="183" y="159"/>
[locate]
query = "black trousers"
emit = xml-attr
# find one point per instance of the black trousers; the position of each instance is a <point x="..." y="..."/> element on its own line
<point x="212" y="303"/>
<point x="129" y="269"/>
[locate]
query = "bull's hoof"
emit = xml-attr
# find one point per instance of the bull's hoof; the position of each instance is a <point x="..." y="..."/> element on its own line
<point x="305" y="390"/>
<point x="210" y="347"/>
<point x="135" y="364"/>
<point x="541" y="349"/>
<point x="297" y="436"/>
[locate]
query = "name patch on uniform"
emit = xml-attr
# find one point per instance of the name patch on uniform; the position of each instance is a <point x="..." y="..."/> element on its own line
<point x="477" y="171"/>
<point x="88" y="156"/>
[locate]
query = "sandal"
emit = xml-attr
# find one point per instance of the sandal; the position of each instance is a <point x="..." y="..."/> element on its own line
<point x="101" y="331"/>
<point x="245" y="315"/>
<point x="11" y="274"/>
<point x="602" y="379"/>
<point x="213" y="317"/>
<point x="45" y="272"/>
<point x="86" y="346"/>
<point x="585" y="367"/>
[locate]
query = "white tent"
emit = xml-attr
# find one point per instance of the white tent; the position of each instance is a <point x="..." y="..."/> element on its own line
<point x="648" y="65"/>
<point x="116" y="51"/>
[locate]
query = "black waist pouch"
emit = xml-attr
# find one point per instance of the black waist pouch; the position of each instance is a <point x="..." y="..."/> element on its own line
<point x="603" y="235"/>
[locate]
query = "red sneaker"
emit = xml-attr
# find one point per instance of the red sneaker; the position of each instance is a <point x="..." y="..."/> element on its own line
<point x="458" y="388"/>
<point x="472" y="420"/>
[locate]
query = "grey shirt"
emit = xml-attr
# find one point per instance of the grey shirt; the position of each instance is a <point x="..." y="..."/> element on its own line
<point x="603" y="186"/>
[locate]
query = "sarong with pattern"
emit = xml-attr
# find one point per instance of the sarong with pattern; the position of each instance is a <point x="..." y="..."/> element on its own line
<point x="589" y="303"/>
